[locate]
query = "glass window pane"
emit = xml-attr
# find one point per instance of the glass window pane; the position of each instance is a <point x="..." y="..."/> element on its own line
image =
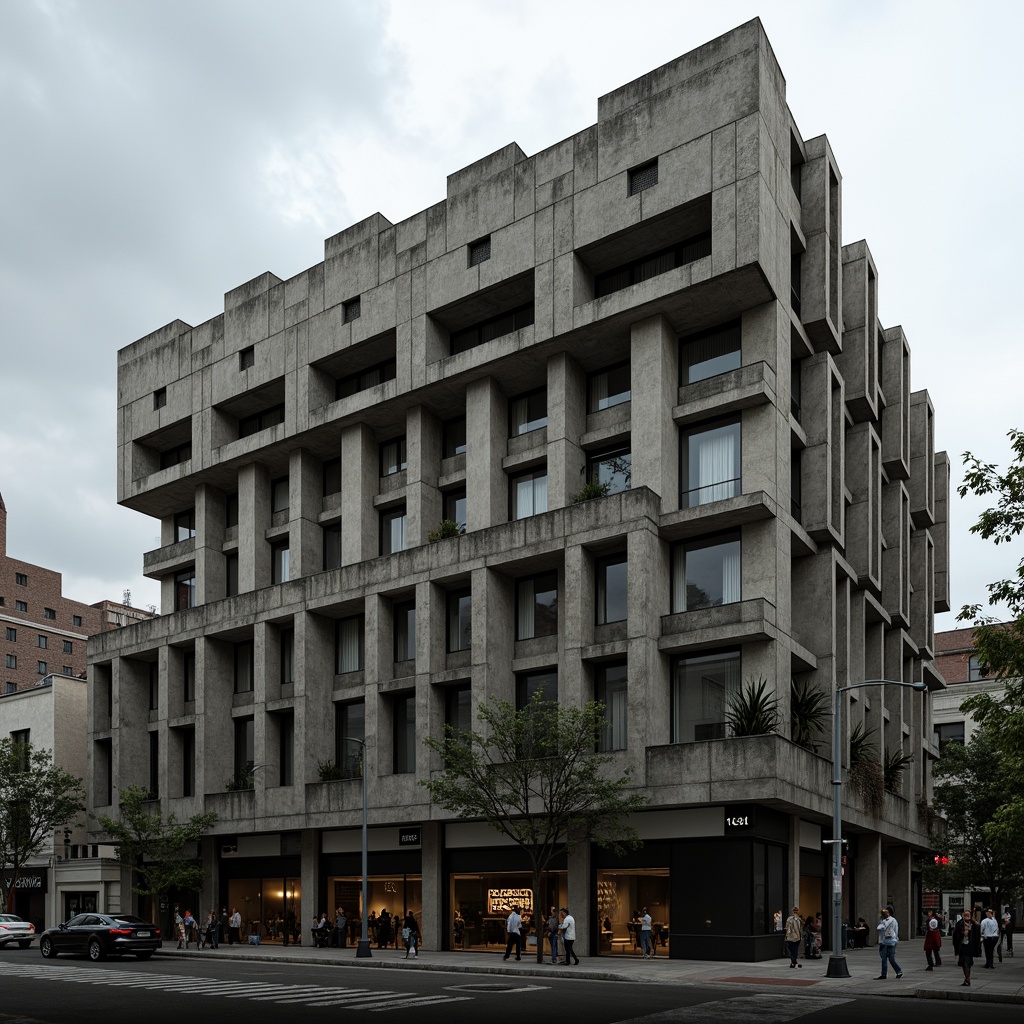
<point x="613" y="469"/>
<point x="713" y="464"/>
<point x="701" y="688"/>
<point x="612" y="576"/>
<point x="610" y="688"/>
<point x="706" y="574"/>
<point x="609" y="388"/>
<point x="460" y="621"/>
<point x="711" y="353"/>
<point x="350" y="644"/>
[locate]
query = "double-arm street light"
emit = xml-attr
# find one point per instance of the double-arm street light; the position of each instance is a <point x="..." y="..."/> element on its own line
<point x="837" y="965"/>
<point x="363" y="949"/>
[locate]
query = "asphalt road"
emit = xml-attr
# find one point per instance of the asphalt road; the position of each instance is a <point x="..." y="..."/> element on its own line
<point x="72" y="989"/>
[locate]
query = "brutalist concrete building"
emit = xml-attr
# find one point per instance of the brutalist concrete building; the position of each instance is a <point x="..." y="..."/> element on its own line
<point x="661" y="305"/>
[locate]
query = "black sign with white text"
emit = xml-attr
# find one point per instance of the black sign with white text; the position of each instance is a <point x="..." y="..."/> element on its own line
<point x="739" y="819"/>
<point x="410" y="835"/>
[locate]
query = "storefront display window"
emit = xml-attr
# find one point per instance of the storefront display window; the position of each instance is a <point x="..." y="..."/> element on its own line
<point x="621" y="897"/>
<point x="481" y="903"/>
<point x="270" y="908"/>
<point x="396" y="893"/>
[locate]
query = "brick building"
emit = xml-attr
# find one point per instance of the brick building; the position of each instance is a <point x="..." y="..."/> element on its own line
<point x="662" y="305"/>
<point x="44" y="631"/>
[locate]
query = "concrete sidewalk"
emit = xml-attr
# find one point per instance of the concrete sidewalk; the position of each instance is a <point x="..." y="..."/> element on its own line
<point x="1004" y="984"/>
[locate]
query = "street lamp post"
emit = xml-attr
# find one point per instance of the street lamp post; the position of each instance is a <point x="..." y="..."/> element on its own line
<point x="363" y="949"/>
<point x="837" y="965"/>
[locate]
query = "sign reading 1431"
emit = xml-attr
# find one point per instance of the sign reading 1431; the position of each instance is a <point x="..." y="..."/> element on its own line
<point x="739" y="819"/>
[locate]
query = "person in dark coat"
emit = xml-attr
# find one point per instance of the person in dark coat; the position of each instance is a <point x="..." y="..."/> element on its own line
<point x="932" y="942"/>
<point x="967" y="945"/>
<point x="384" y="930"/>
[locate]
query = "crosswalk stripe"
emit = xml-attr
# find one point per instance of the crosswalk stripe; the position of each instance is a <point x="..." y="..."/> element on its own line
<point x="766" y="1008"/>
<point x="301" y="990"/>
<point x="423" y="1001"/>
<point x="351" y="998"/>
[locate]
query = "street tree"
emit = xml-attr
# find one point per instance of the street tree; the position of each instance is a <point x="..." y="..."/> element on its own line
<point x="970" y="792"/>
<point x="532" y="774"/>
<point x="999" y="645"/>
<point x="154" y="847"/>
<point x="37" y="797"/>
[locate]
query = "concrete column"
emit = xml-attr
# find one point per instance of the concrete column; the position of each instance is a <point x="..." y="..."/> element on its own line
<point x="647" y="588"/>
<point x="310" y="876"/>
<point x="209" y="544"/>
<point x="654" y="381"/>
<point x="487" y="437"/>
<point x="431" y="628"/>
<point x="305" y="498"/>
<point x="253" y="520"/>
<point x="423" y="457"/>
<point x="493" y="638"/>
<point x="579" y="863"/>
<point x="897" y="861"/>
<point x="360" y="478"/>
<point x="211" y="877"/>
<point x="793" y="865"/>
<point x="434" y="920"/>
<point x="314" y="715"/>
<point x="567" y="421"/>
<point x="870" y="894"/>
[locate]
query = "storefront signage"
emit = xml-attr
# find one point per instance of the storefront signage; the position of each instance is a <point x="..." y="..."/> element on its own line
<point x="410" y="836"/>
<point x="501" y="901"/>
<point x="32" y="880"/>
<point x="739" y="819"/>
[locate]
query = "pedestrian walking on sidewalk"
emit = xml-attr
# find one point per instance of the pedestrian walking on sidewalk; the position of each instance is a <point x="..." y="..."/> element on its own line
<point x="990" y="937"/>
<point x="932" y="942"/>
<point x="553" y="934"/>
<point x="967" y="944"/>
<point x="888" y="935"/>
<point x="1007" y="923"/>
<point x="794" y="931"/>
<point x="411" y="935"/>
<point x="513" y="926"/>
<point x="567" y="929"/>
<point x="235" y="932"/>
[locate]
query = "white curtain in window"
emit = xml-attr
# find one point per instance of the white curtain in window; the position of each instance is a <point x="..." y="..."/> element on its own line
<point x="730" y="573"/>
<point x="398" y="533"/>
<point x="598" y="391"/>
<point x="540" y="494"/>
<point x="348" y="660"/>
<point x="716" y="462"/>
<point x="520" y="415"/>
<point x="527" y="611"/>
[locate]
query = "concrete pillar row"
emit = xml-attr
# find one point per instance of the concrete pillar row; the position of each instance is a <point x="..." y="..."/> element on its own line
<point x="360" y="478"/>
<point x="870" y="894"/>
<point x="487" y="445"/>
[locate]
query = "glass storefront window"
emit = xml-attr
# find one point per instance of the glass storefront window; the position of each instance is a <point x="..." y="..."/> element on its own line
<point x="481" y="903"/>
<point x="396" y="894"/>
<point x="270" y="908"/>
<point x="621" y="897"/>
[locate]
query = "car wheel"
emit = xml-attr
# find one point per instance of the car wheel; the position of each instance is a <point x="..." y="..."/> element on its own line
<point x="144" y="955"/>
<point x="95" y="950"/>
<point x="46" y="947"/>
<point x="25" y="944"/>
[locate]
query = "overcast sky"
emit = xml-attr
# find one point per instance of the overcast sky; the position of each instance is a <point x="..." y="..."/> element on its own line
<point x="154" y="155"/>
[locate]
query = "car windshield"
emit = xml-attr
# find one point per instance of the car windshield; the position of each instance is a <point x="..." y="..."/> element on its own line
<point x="128" y="919"/>
<point x="11" y="917"/>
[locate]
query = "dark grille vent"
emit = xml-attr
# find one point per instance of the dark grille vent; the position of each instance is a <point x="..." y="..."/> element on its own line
<point x="643" y="177"/>
<point x="352" y="309"/>
<point x="479" y="252"/>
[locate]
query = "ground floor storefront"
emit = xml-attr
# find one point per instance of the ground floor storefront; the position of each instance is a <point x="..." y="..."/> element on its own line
<point x="716" y="882"/>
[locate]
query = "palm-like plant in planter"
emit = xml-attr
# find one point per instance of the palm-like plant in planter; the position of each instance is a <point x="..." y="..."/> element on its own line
<point x="896" y="763"/>
<point x="754" y="711"/>
<point x="809" y="713"/>
<point x="866" y="775"/>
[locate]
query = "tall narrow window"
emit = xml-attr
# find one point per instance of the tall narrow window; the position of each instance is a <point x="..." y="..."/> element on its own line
<point x="159" y="398"/>
<point x="352" y="310"/>
<point x="611" y="469"/>
<point x="188" y="762"/>
<point x="331" y="476"/>
<point x="403" y="711"/>
<point x="154" y="766"/>
<point x="184" y="525"/>
<point x="185" y="590"/>
<point x="711" y="463"/>
<point x="280" y="562"/>
<point x="392" y="530"/>
<point x="154" y="686"/>
<point x="332" y="546"/>
<point x="455" y="506"/>
<point x="279" y="496"/>
<point x="529" y="493"/>
<point x="528" y="412"/>
<point x="537" y="606"/>
<point x="460" y="620"/>
<point x="231" y="575"/>
<point x="245" y="752"/>
<point x="611" y="577"/>
<point x="405" y="631"/>
<point x="609" y="387"/>
<point x="702" y="685"/>
<point x="231" y="510"/>
<point x="710" y="353"/>
<point x="287" y="656"/>
<point x="454" y="437"/>
<point x="349" y="644"/>
<point x="544" y="683"/>
<point x="392" y="457"/>
<point x="706" y="573"/>
<point x="349" y="734"/>
<point x="244" y="676"/>
<point x="286" y="749"/>
<point x="188" y="676"/>
<point x="247" y="358"/>
<point x="610" y="688"/>
<point x="458" y="707"/>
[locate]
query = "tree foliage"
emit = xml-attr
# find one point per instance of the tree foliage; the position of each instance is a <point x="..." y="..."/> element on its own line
<point x="970" y="791"/>
<point x="999" y="646"/>
<point x="37" y="797"/>
<point x="154" y="848"/>
<point x="532" y="775"/>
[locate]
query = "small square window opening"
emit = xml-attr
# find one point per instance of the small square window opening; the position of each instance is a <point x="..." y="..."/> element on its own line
<point x="643" y="177"/>
<point x="480" y="251"/>
<point x="246" y="358"/>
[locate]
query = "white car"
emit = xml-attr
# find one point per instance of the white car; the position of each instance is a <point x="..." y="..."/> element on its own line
<point x="14" y="929"/>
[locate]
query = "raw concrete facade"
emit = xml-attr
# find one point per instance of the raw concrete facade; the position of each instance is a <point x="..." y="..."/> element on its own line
<point x="661" y="303"/>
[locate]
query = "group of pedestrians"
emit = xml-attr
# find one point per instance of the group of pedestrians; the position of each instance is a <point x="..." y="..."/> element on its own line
<point x="208" y="933"/>
<point x="561" y="926"/>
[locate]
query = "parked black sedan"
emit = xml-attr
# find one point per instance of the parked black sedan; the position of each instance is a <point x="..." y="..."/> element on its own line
<point x="100" y="936"/>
